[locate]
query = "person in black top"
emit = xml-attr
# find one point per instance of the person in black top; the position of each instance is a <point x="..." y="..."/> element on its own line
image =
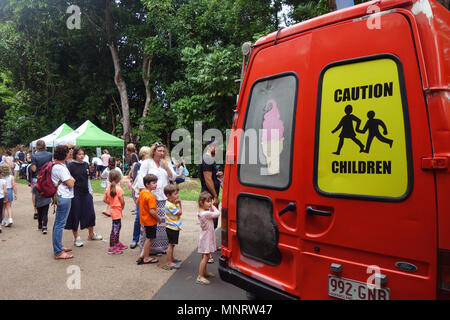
<point x="209" y="175"/>
<point x="133" y="157"/>
<point x="82" y="213"/>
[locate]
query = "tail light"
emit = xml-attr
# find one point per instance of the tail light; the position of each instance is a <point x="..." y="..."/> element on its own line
<point x="444" y="274"/>
<point x="224" y="227"/>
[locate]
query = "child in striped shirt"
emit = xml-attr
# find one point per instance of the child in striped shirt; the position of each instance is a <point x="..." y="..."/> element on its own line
<point x="173" y="224"/>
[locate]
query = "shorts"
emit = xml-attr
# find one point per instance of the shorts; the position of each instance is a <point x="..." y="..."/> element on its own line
<point x="172" y="235"/>
<point x="150" y="232"/>
<point x="10" y="195"/>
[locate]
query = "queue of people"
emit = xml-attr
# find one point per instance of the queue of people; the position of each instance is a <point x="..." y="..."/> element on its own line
<point x="155" y="187"/>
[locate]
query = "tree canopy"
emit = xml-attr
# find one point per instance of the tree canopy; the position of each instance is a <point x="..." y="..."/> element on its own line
<point x="136" y="68"/>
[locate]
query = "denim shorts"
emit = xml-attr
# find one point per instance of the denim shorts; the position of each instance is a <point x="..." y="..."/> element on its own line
<point x="10" y="195"/>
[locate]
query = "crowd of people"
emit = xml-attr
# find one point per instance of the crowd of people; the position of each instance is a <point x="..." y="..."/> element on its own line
<point x="154" y="180"/>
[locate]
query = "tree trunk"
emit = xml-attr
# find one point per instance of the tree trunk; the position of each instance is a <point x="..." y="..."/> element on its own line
<point x="122" y="87"/>
<point x="118" y="79"/>
<point x="146" y="68"/>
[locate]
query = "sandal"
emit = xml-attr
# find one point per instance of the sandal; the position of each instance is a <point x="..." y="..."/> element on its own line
<point x="152" y="260"/>
<point x="209" y="275"/>
<point x="63" y="256"/>
<point x="203" y="282"/>
<point x="176" y="260"/>
<point x="174" y="267"/>
<point x="67" y="249"/>
<point x="210" y="260"/>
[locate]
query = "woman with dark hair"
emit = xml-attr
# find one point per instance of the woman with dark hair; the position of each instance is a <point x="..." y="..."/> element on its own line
<point x="82" y="211"/>
<point x="61" y="177"/>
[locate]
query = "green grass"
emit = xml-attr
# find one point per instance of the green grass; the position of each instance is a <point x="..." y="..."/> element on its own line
<point x="189" y="191"/>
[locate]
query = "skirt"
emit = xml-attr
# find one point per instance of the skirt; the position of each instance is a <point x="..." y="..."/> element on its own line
<point x="82" y="213"/>
<point x="161" y="242"/>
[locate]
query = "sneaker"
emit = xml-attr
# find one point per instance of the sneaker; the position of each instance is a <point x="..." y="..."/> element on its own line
<point x="44" y="230"/>
<point x="115" y="250"/>
<point x="78" y="242"/>
<point x="95" y="237"/>
<point x="133" y="245"/>
<point x="122" y="246"/>
<point x="9" y="222"/>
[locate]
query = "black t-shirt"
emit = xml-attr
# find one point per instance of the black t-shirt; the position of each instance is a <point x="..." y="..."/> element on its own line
<point x="208" y="164"/>
<point x="134" y="158"/>
<point x="39" y="158"/>
<point x="21" y="156"/>
<point x="80" y="172"/>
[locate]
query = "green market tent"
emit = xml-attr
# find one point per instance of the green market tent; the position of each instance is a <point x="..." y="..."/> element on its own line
<point x="89" y="135"/>
<point x="49" y="139"/>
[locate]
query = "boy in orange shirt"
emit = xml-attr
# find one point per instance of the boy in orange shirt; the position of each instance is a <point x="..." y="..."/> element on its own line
<point x="148" y="216"/>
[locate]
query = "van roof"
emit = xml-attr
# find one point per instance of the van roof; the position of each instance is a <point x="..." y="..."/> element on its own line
<point x="332" y="17"/>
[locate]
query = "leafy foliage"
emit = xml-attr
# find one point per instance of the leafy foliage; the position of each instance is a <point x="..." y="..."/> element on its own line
<point x="50" y="74"/>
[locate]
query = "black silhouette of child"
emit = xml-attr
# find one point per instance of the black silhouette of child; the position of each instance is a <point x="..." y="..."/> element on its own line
<point x="372" y="125"/>
<point x="347" y="129"/>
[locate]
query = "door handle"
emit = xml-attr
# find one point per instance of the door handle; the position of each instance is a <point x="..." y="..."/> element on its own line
<point x="290" y="207"/>
<point x="311" y="210"/>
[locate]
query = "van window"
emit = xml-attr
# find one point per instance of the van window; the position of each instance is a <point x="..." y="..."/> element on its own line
<point x="265" y="158"/>
<point x="362" y="130"/>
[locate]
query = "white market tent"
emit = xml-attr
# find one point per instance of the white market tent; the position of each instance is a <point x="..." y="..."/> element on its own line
<point x="49" y="139"/>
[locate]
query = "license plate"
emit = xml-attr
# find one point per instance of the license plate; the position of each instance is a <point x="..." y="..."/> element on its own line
<point x="354" y="290"/>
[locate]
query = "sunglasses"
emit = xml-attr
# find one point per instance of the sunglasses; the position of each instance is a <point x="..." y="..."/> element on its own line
<point x="159" y="144"/>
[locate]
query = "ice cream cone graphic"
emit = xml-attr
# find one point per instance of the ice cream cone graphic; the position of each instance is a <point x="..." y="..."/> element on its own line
<point x="272" y="137"/>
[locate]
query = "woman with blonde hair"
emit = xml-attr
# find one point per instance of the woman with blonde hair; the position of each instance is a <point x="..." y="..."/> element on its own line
<point x="160" y="165"/>
<point x="144" y="154"/>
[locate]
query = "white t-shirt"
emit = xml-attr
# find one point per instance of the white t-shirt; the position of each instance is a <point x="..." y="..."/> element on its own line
<point x="97" y="161"/>
<point x="86" y="158"/>
<point x="60" y="173"/>
<point x="149" y="166"/>
<point x="8" y="182"/>
<point x="105" y="175"/>
<point x="2" y="192"/>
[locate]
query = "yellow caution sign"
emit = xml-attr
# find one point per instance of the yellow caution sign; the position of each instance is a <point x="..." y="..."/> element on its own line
<point x="362" y="147"/>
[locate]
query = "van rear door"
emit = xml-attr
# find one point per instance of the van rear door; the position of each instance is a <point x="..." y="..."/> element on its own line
<point x="371" y="134"/>
<point x="337" y="197"/>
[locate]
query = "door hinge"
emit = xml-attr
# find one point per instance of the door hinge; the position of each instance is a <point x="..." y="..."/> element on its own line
<point x="435" y="163"/>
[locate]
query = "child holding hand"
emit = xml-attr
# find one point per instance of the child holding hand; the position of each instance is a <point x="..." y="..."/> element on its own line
<point x="3" y="192"/>
<point x="173" y="224"/>
<point x="207" y="238"/>
<point x="114" y="198"/>
<point x="148" y="216"/>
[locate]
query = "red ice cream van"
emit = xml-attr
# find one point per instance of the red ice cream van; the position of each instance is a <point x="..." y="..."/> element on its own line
<point x="337" y="181"/>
